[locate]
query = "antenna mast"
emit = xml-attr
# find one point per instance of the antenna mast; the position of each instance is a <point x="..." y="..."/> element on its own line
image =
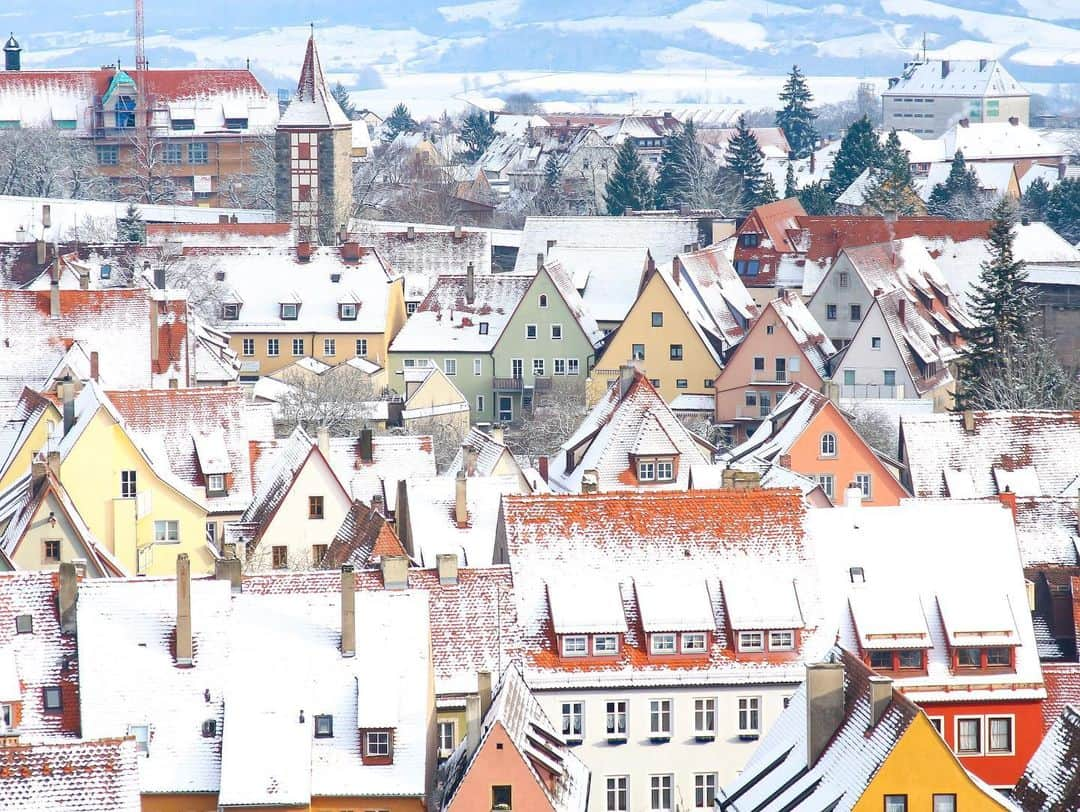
<point x="140" y="37"/>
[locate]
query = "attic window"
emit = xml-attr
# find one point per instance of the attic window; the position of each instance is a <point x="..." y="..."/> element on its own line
<point x="290" y="311"/>
<point x="656" y="469"/>
<point x="236" y="123"/>
<point x="347" y="311"/>
<point x="106" y="271"/>
<point x="24" y="624"/>
<point x="378" y="746"/>
<point x="209" y="728"/>
<point x="230" y="312"/>
<point x="141" y="734"/>
<point x="750" y="240"/>
<point x="215" y="483"/>
<point x="183" y="124"/>
<point x="51" y="699"/>
<point x="324" y="726"/>
<point x="483" y="328"/>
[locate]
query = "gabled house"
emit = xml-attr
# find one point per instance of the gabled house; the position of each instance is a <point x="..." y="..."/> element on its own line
<point x="369" y="467"/>
<point x="97" y="775"/>
<point x="963" y="648"/>
<point x="608" y="278"/>
<point x="900" y="350"/>
<point x="809" y="434"/>
<point x="433" y="404"/>
<point x="630" y="440"/>
<point x="763" y="237"/>
<point x="1051" y="781"/>
<point x="512" y="758"/>
<point x="502" y="339"/>
<point x="859" y="273"/>
<point x="686" y="320"/>
<point x="364" y="538"/>
<point x="850" y="741"/>
<point x="784" y="345"/>
<point x="484" y="454"/>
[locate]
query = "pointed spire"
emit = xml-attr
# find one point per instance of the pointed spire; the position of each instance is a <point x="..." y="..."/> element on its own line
<point x="313" y="105"/>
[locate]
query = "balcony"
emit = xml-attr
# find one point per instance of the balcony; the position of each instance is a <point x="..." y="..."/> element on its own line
<point x="507" y="384"/>
<point x="872" y="391"/>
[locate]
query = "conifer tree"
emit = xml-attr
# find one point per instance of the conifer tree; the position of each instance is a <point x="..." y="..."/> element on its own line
<point x="341" y="96"/>
<point x="628" y="187"/>
<point x="744" y="158"/>
<point x="768" y="191"/>
<point x="858" y="151"/>
<point x="958" y="197"/>
<point x="790" y="189"/>
<point x="816" y="199"/>
<point x="1063" y="209"/>
<point x="1036" y="200"/>
<point x="550" y="199"/>
<point x="477" y="133"/>
<point x="677" y="162"/>
<point x="400" y="120"/>
<point x="890" y="187"/>
<point x="130" y="227"/>
<point x="1002" y="306"/>
<point x="796" y="118"/>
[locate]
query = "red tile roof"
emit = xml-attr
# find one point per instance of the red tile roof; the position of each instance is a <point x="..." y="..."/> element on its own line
<point x="364" y="536"/>
<point x="98" y="775"/>
<point x="194" y="230"/>
<point x="1062" y="688"/>
<point x="821" y="238"/>
<point x="778" y="218"/>
<point x="162" y="85"/>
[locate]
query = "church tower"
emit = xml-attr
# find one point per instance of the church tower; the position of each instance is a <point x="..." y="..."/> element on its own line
<point x="313" y="146"/>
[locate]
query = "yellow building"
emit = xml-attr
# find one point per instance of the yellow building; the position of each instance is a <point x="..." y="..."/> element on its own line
<point x="848" y="739"/>
<point x="685" y="321"/>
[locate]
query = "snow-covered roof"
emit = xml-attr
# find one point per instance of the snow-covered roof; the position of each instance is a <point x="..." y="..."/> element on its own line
<point x="95" y="775"/>
<point x="313" y="106"/>
<point x="783" y="426"/>
<point x="805" y="331"/>
<point x="392" y="458"/>
<point x="584" y="607"/>
<point x="966" y="78"/>
<point x="489" y="452"/>
<point x="663" y="235"/>
<point x="608" y="277"/>
<point x="613" y="429"/>
<point x="1051" y="779"/>
<point x="990" y="600"/>
<point x="885" y="620"/>
<point x="674" y="606"/>
<point x="129" y="677"/>
<point x="273" y="475"/>
<point x="762" y="603"/>
<point x="922" y="338"/>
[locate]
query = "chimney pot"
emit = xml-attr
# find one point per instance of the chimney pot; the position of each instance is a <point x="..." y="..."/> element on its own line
<point x="461" y="504"/>
<point x="470" y="283"/>
<point x="457" y="234"/>
<point x="627" y="373"/>
<point x="483" y="690"/>
<point x="542" y="467"/>
<point x="447" y="567"/>
<point x="824" y="707"/>
<point x="395" y="572"/>
<point x="228" y="569"/>
<point x="54" y="298"/>
<point x="322" y="435"/>
<point x="1008" y="498"/>
<point x="969" y="421"/>
<point x="183" y="610"/>
<point x="539" y="261"/>
<point x="68" y="596"/>
<point x="348" y="611"/>
<point x="880" y="697"/>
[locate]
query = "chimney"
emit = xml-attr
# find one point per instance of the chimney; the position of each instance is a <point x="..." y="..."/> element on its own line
<point x="457" y="234"/>
<point x="304" y="250"/>
<point x="496" y="434"/>
<point x="470" y="284"/>
<point x="461" y="505"/>
<point x="824" y="707"/>
<point x="969" y="421"/>
<point x="590" y="481"/>
<point x="542" y="466"/>
<point x="483" y="690"/>
<point x="964" y="122"/>
<point x="395" y="572"/>
<point x="676" y="269"/>
<point x="367" y="452"/>
<point x="880" y="697"/>
<point x="627" y="373"/>
<point x="539" y="262"/>
<point x="52" y="462"/>
<point x="67" y="396"/>
<point x="95" y="365"/>
<point x="1015" y="121"/>
<point x="39" y="468"/>
<point x="42" y="256"/>
<point x="350" y="251"/>
<point x="348" y="611"/>
<point x="228" y="568"/>
<point x="785" y="461"/>
<point x="322" y="435"/>
<point x="1008" y="498"/>
<point x="410" y="233"/>
<point x="54" y="298"/>
<point x="473" y="718"/>
<point x="84" y="281"/>
<point x="944" y="68"/>
<point x="901" y="311"/>
<point x="852" y="496"/>
<point x="183" y="610"/>
<point x="469" y="459"/>
<point x="46" y="215"/>
<point x="447" y="565"/>
<point x="68" y="596"/>
<point x="223" y="219"/>
<point x="982" y="65"/>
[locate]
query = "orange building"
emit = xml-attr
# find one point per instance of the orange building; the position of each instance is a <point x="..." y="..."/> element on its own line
<point x="809" y="434"/>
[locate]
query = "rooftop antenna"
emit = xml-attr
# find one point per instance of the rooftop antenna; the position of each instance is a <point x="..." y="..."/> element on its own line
<point x="140" y="37"/>
<point x="923" y="46"/>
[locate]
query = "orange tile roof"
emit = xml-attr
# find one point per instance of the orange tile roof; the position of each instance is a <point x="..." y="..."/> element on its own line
<point x="821" y="238"/>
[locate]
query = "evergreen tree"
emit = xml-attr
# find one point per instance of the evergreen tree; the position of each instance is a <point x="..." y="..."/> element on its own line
<point x="400" y="120"/>
<point x="477" y="133"/>
<point x="796" y="118"/>
<point x="679" y="161"/>
<point x="767" y="193"/>
<point x="130" y="227"/>
<point x="858" y="151"/>
<point x="1036" y="200"/>
<point x="816" y="198"/>
<point x="958" y="197"/>
<point x="341" y="96"/>
<point x="550" y="199"/>
<point x="790" y="190"/>
<point x="1063" y="209"/>
<point x="890" y="187"/>
<point x="1002" y="306"/>
<point x="744" y="158"/>
<point x="628" y="186"/>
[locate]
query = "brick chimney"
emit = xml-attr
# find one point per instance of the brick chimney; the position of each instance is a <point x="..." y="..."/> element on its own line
<point x="676" y="270"/>
<point x="183" y="610"/>
<point x="94" y="365"/>
<point x="824" y="707"/>
<point x="542" y="466"/>
<point x="348" y="611"/>
<point x="969" y="421"/>
<point x="54" y="293"/>
<point x="483" y="690"/>
<point x="1008" y="498"/>
<point x="470" y="284"/>
<point x="461" y="504"/>
<point x="473" y="719"/>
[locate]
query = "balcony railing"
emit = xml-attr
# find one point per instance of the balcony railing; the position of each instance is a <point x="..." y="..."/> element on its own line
<point x="517" y="384"/>
<point x="872" y="391"/>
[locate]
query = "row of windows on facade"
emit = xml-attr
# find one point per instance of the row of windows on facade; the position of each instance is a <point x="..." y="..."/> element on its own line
<point x="864" y="482"/>
<point x="962" y="658"/>
<point x="198" y="153"/>
<point x="299" y="347"/>
<point x="216" y="484"/>
<point x="661" y="719"/>
<point x="979" y="735"/>
<point x="781" y="367"/>
<point x="670" y="643"/>
<point x="675" y="351"/>
<point x="560" y="366"/>
<point x="661" y="792"/>
<point x="942" y="802"/>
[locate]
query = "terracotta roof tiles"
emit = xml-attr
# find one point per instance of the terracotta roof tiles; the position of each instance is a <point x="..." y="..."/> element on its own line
<point x="97" y="775"/>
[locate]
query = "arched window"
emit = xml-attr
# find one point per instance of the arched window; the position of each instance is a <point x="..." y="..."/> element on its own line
<point x="543" y="300"/>
<point x="828" y="444"/>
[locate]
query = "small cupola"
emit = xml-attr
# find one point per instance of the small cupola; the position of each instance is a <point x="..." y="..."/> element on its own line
<point x="12" y="54"/>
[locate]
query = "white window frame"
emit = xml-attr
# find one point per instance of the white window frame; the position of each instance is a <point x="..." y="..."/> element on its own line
<point x="538" y="367"/>
<point x="616" y="719"/>
<point x="347" y="311"/>
<point x="247" y="346"/>
<point x="477" y="366"/>
<point x="827" y="483"/>
<point x="706" y="785"/>
<point x="688" y="642"/>
<point x="542" y="300"/>
<point x="774" y="635"/>
<point x="978" y="720"/>
<point x="141" y="734"/>
<point x="749" y="707"/>
<point x="166" y="527"/>
<point x="361" y="347"/>
<point x="558" y="366"/>
<point x="988" y="748"/>
<point x="573" y="366"/>
<point x="661" y="793"/>
<point x="230" y="311"/>
<point x="377" y="743"/>
<point x="573" y="720"/>
<point x="705" y="717"/>
<point x="556" y="328"/>
<point x="215" y="482"/>
<point x="646" y="470"/>
<point x="617" y="793"/>
<point x="938" y="723"/>
<point x="661" y="718"/>
<point x="298" y="342"/>
<point x="290" y="307"/>
<point x="450" y="367"/>
<point x="665" y="471"/>
<point x="479" y="404"/>
<point x="129" y="483"/>
<point x="875" y="342"/>
<point x="569" y="645"/>
<point x="606" y="649"/>
<point x="656" y="637"/>
<point x="531" y="328"/>
<point x="842" y="278"/>
<point x="746" y="644"/>
<point x="865" y="482"/>
<point x="446" y="747"/>
<point x="827" y="445"/>
<point x="329" y="347"/>
<point x="273" y="347"/>
<point x="951" y="796"/>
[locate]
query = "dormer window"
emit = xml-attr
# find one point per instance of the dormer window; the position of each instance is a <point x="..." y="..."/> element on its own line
<point x="656" y="469"/>
<point x="215" y="484"/>
<point x="605" y="644"/>
<point x="783" y="640"/>
<point x="483" y="328"/>
<point x="324" y="726"/>
<point x="236" y="123"/>
<point x="290" y="311"/>
<point x="183" y="124"/>
<point x="980" y="631"/>
<point x="662" y="643"/>
<point x="347" y="311"/>
<point x="694" y="642"/>
<point x="141" y="734"/>
<point x="24" y="624"/>
<point x="575" y="645"/>
<point x="230" y="311"/>
<point x="749" y="240"/>
<point x="378" y="747"/>
<point x="51" y="699"/>
<point x="751" y="641"/>
<point x="588" y="618"/>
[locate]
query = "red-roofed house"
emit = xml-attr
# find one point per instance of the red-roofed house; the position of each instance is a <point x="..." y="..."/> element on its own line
<point x="763" y="237"/>
<point x="202" y="124"/>
<point x="94" y="775"/>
